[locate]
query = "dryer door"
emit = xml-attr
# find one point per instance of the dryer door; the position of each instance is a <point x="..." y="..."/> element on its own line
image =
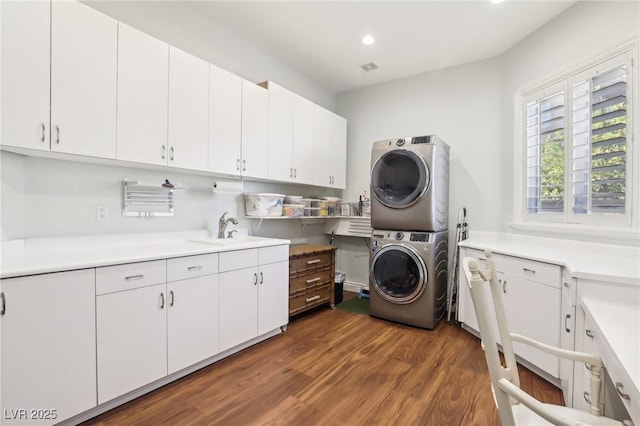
<point x="399" y="178"/>
<point x="398" y="273"/>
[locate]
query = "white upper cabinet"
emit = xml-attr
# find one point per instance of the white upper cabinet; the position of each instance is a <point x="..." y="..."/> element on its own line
<point x="83" y="80"/>
<point x="188" y="130"/>
<point x="280" y="132"/>
<point x="330" y="149"/>
<point x="255" y="130"/>
<point x="25" y="29"/>
<point x="291" y="119"/>
<point x="303" y="136"/>
<point x="225" y="121"/>
<point x="143" y="78"/>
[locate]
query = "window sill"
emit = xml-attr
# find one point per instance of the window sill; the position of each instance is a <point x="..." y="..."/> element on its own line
<point x="600" y="234"/>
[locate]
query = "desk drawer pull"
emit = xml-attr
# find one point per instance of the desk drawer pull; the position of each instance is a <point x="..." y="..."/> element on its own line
<point x="619" y="388"/>
<point x="311" y="262"/>
<point x="194" y="268"/>
<point x="311" y="299"/>
<point x="134" y="277"/>
<point x="313" y="280"/>
<point x="533" y="271"/>
<point x="589" y="333"/>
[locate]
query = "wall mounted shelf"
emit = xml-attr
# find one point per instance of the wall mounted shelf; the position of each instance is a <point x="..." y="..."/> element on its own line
<point x="147" y="200"/>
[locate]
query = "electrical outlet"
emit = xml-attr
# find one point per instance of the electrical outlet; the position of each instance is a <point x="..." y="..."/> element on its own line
<point x="101" y="213"/>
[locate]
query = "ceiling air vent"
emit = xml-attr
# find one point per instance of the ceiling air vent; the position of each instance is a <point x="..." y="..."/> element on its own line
<point x="369" y="67"/>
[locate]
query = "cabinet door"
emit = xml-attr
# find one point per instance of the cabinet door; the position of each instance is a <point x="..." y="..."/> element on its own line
<point x="238" y="307"/>
<point x="255" y="130"/>
<point x="25" y="35"/>
<point x="188" y="131"/>
<point x="132" y="340"/>
<point x="48" y="343"/>
<point x="280" y="133"/>
<point x="322" y="147"/>
<point x="273" y="296"/>
<point x="533" y="310"/>
<point x="567" y="333"/>
<point x="83" y="80"/>
<point x="143" y="79"/>
<point x="303" y="134"/>
<point x="225" y="118"/>
<point x="339" y="150"/>
<point x="192" y="321"/>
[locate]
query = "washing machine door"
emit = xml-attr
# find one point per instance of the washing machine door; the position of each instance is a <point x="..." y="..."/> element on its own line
<point x="399" y="178"/>
<point x="398" y="273"/>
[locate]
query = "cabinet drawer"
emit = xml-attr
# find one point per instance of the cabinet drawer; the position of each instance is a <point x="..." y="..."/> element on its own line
<point x="181" y="268"/>
<point x="498" y="259"/>
<point x="110" y="279"/>
<point x="238" y="259"/>
<point x="540" y="272"/>
<point x="307" y="281"/>
<point x="273" y="254"/>
<point x="306" y="263"/>
<point x="313" y="297"/>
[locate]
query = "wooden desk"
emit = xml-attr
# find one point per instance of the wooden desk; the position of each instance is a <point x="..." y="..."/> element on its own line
<point x="311" y="276"/>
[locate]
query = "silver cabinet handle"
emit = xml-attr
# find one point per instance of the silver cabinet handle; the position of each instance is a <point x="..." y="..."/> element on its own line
<point x="44" y="129"/>
<point x="3" y="308"/>
<point x="171" y="298"/>
<point x="261" y="278"/>
<point x="311" y="299"/>
<point x="313" y="280"/>
<point x="163" y="152"/>
<point x="504" y="286"/>
<point x="587" y="397"/>
<point x="311" y="262"/>
<point x="194" y="268"/>
<point x="237" y="164"/>
<point x="244" y="165"/>
<point x="57" y="134"/>
<point x="566" y="318"/>
<point x="134" y="277"/>
<point x="529" y="270"/>
<point x="161" y="300"/>
<point x="589" y="333"/>
<point x="291" y="172"/>
<point x="295" y="172"/>
<point x="623" y="395"/>
<point x="171" y="152"/>
<point x="255" y="279"/>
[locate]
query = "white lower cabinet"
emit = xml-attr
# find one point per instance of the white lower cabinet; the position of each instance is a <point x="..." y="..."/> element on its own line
<point x="148" y="328"/>
<point x="253" y="293"/>
<point x="531" y="295"/>
<point x="132" y="340"/>
<point x="48" y="347"/>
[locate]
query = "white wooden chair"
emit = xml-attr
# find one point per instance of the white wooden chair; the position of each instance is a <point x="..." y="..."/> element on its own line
<point x="516" y="407"/>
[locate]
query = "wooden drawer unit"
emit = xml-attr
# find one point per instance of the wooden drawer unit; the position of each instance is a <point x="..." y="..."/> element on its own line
<point x="311" y="276"/>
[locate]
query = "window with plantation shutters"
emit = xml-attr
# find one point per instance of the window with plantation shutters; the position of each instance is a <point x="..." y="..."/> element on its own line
<point x="576" y="138"/>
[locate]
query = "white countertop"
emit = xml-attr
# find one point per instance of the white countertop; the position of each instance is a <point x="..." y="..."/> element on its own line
<point x="43" y="255"/>
<point x="593" y="261"/>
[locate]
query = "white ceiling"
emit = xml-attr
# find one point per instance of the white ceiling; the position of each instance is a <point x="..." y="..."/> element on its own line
<point x="322" y="39"/>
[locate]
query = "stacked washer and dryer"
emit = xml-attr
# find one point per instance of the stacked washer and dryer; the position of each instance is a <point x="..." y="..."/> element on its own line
<point x="409" y="216"/>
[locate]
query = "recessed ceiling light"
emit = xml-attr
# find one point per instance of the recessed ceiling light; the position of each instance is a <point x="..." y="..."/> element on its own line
<point x="368" y="40"/>
<point x="369" y="67"/>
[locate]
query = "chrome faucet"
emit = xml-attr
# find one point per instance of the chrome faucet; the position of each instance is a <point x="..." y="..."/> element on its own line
<point x="222" y="224"/>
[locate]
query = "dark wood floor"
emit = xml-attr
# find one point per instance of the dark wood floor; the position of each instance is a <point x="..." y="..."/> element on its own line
<point x="336" y="368"/>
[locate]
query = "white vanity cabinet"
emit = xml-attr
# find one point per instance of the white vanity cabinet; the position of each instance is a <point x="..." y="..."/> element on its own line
<point x="48" y="346"/>
<point x="531" y="295"/>
<point x="143" y="79"/>
<point x="254" y="293"/>
<point x="59" y="74"/>
<point x="188" y="131"/>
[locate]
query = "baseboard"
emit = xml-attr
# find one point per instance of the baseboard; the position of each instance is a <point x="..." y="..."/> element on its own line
<point x="354" y="286"/>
